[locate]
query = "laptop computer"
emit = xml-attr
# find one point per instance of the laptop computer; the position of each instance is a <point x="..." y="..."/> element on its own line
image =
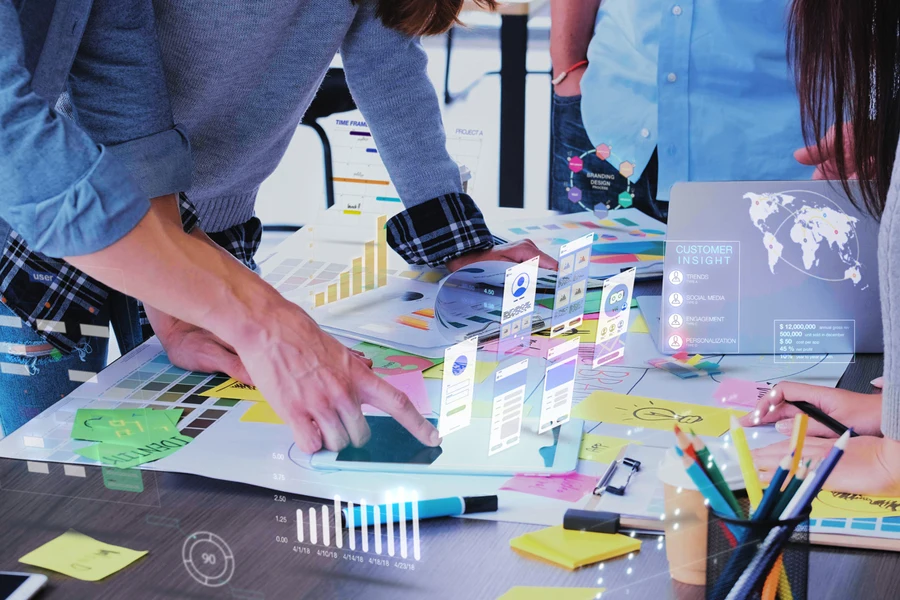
<point x="766" y="267"/>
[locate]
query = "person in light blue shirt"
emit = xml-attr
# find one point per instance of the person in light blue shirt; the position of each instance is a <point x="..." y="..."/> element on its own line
<point x="682" y="90"/>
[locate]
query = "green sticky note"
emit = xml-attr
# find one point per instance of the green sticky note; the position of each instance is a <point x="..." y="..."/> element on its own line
<point x="124" y="457"/>
<point x="127" y="427"/>
<point x="82" y="557"/>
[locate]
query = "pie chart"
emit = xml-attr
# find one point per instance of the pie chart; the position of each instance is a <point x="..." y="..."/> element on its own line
<point x="459" y="366"/>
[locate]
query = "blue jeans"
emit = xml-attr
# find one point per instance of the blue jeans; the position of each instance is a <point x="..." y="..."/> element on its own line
<point x="599" y="181"/>
<point x="31" y="384"/>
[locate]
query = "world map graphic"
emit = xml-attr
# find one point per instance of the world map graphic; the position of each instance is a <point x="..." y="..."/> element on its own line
<point x="809" y="232"/>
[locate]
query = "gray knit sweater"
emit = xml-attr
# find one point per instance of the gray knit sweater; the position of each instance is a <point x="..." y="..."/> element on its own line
<point x="888" y="270"/>
<point x="241" y="73"/>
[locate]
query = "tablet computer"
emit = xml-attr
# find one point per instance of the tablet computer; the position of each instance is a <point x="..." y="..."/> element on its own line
<point x="464" y="452"/>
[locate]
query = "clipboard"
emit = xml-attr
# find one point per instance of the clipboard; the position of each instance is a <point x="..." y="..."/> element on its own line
<point x="638" y="484"/>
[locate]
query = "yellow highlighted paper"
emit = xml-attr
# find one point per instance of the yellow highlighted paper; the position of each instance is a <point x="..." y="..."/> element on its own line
<point x="235" y="390"/>
<point x="261" y="412"/>
<point x="835" y="505"/>
<point x="573" y="549"/>
<point x="653" y="413"/>
<point x="483" y="369"/>
<point x="82" y="557"/>
<point x="602" y="448"/>
<point x="639" y="325"/>
<point x="522" y="592"/>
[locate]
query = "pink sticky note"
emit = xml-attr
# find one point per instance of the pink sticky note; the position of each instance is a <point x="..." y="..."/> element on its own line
<point x="570" y="487"/>
<point x="740" y="391"/>
<point x="681" y="356"/>
<point x="413" y="385"/>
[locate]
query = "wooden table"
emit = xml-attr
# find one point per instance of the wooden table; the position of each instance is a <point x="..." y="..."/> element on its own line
<point x="514" y="16"/>
<point x="461" y="558"/>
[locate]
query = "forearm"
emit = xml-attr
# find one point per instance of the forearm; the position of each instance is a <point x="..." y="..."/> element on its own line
<point x="184" y="277"/>
<point x="571" y="30"/>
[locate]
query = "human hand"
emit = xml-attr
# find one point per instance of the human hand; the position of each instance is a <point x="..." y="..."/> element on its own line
<point x="860" y="411"/>
<point x="824" y="158"/>
<point x="317" y="385"/>
<point x="571" y="85"/>
<point x="870" y="465"/>
<point x="516" y="252"/>
<point x="195" y="349"/>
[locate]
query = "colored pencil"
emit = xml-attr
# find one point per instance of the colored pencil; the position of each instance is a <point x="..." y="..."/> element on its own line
<point x="748" y="470"/>
<point x="683" y="443"/>
<point x="709" y="491"/>
<point x="771" y="547"/>
<point x="806" y="494"/>
<point x="798" y="436"/>
<point x="791" y="489"/>
<point x="773" y="492"/>
<point x="708" y="463"/>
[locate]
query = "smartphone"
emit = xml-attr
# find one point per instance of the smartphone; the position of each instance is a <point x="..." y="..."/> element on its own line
<point x="20" y="586"/>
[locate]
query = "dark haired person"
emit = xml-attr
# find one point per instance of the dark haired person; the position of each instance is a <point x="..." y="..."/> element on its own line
<point x="846" y="54"/>
<point x="240" y="75"/>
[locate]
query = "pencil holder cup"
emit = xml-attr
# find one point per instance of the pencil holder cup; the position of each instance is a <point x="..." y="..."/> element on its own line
<point x="732" y="544"/>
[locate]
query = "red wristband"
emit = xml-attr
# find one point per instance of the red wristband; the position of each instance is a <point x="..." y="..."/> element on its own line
<point x="561" y="77"/>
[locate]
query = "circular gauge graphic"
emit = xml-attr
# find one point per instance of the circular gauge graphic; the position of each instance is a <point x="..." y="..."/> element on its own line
<point x="459" y="366"/>
<point x="521" y="285"/>
<point x="208" y="559"/>
<point x="616" y="301"/>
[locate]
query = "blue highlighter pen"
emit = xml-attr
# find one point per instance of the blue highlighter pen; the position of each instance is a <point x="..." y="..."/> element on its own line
<point x="428" y="509"/>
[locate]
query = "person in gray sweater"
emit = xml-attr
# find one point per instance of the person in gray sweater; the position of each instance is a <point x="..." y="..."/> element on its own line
<point x="851" y="71"/>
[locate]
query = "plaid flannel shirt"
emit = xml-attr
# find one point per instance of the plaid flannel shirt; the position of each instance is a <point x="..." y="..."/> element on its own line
<point x="52" y="297"/>
<point x="439" y="230"/>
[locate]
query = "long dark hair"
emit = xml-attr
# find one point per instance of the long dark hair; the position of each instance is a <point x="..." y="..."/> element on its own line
<point x="846" y="59"/>
<point x="423" y="17"/>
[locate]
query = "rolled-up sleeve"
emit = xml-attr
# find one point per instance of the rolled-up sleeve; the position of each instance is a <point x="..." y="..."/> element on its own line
<point x="118" y="94"/>
<point x="65" y="194"/>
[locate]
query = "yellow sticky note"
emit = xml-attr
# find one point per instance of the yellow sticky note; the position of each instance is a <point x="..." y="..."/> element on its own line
<point x="527" y="592"/>
<point x="261" y="412"/>
<point x="573" y="549"/>
<point x="601" y="448"/>
<point x="483" y="369"/>
<point x="235" y="390"/>
<point x="694" y="360"/>
<point x="82" y="557"/>
<point x="639" y="325"/>
<point x="835" y="505"/>
<point x="638" y="411"/>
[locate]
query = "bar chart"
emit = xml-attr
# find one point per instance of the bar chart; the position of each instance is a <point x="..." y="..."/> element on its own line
<point x="389" y="527"/>
<point x="367" y="272"/>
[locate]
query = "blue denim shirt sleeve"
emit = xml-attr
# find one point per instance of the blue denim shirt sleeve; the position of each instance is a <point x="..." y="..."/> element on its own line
<point x="118" y="95"/>
<point x="62" y="192"/>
